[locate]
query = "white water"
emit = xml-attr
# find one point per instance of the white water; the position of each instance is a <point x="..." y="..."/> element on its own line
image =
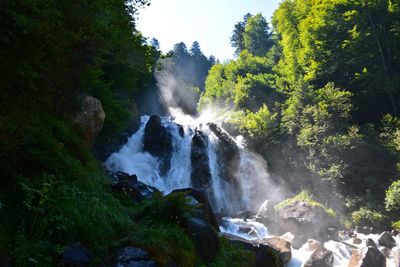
<point x="252" y="176"/>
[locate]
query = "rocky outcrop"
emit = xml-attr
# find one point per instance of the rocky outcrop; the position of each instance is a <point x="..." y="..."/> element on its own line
<point x="204" y="237"/>
<point x="202" y="227"/>
<point x="201" y="206"/>
<point x="201" y="174"/>
<point x="386" y="240"/>
<point x="265" y="256"/>
<point x="281" y="246"/>
<point x="129" y="185"/>
<point x="130" y="257"/>
<point x="76" y="255"/>
<point x="228" y="153"/>
<point x="321" y="257"/>
<point x="90" y="119"/>
<point x="158" y="142"/>
<point x="367" y="257"/>
<point x="305" y="221"/>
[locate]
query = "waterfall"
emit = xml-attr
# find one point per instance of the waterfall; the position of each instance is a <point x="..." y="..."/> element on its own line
<point x="241" y="189"/>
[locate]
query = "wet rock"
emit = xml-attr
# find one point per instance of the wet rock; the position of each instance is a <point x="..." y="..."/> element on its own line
<point x="357" y="241"/>
<point x="201" y="174"/>
<point x="396" y="256"/>
<point x="364" y="230"/>
<point x="204" y="237"/>
<point x="386" y="240"/>
<point x="129" y="185"/>
<point x="385" y="251"/>
<point x="321" y="257"/>
<point x="158" y="142"/>
<point x="281" y="246"/>
<point x="202" y="211"/>
<point x="289" y="237"/>
<point x="311" y="245"/>
<point x="370" y="243"/>
<point x="130" y="257"/>
<point x="305" y="221"/>
<point x="332" y="234"/>
<point x="75" y="255"/>
<point x="367" y="257"/>
<point x="228" y="158"/>
<point x="265" y="255"/>
<point x="394" y="232"/>
<point x="5" y="261"/>
<point x="266" y="213"/>
<point x="90" y="119"/>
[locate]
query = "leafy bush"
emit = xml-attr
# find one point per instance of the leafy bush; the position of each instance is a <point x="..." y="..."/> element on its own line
<point x="392" y="199"/>
<point x="367" y="217"/>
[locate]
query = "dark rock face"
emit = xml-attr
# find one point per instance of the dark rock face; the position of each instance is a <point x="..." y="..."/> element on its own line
<point x="130" y="257"/>
<point x="305" y="221"/>
<point x="387" y="240"/>
<point x="228" y="153"/>
<point x="129" y="185"/>
<point x="76" y="255"/>
<point x="367" y="257"/>
<point x="321" y="257"/>
<point x="90" y="119"/>
<point x="371" y="243"/>
<point x="201" y="175"/>
<point x="266" y="256"/>
<point x="158" y="142"/>
<point x="204" y="211"/>
<point x="281" y="246"/>
<point x="204" y="237"/>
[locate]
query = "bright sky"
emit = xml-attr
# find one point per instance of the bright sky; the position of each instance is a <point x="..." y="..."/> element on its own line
<point x="210" y="22"/>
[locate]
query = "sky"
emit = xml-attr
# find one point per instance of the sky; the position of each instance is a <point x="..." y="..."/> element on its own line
<point x="210" y="22"/>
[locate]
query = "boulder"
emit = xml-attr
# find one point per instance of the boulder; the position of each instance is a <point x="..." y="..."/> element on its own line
<point x="356" y="241"/>
<point x="204" y="237"/>
<point x="281" y="246"/>
<point x="370" y="243"/>
<point x="130" y="257"/>
<point x="305" y="221"/>
<point x="321" y="257"/>
<point x="394" y="232"/>
<point x="202" y="211"/>
<point x="201" y="174"/>
<point x="364" y="230"/>
<point x="387" y="240"/>
<point x="265" y="255"/>
<point x="129" y="185"/>
<point x="90" y="119"/>
<point x="385" y="251"/>
<point x="75" y="255"/>
<point x="367" y="257"/>
<point x="158" y="142"/>
<point x="311" y="245"/>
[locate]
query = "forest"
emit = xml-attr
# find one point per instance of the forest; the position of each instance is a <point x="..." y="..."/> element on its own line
<point x="315" y="92"/>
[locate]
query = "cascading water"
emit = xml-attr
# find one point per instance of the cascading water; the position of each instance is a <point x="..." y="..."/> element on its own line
<point x="250" y="176"/>
<point x="230" y="190"/>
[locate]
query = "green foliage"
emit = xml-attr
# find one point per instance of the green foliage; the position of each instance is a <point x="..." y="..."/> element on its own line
<point x="232" y="256"/>
<point x="367" y="217"/>
<point x="396" y="225"/>
<point x="305" y="196"/>
<point x="164" y="240"/>
<point x="392" y="199"/>
<point x="256" y="36"/>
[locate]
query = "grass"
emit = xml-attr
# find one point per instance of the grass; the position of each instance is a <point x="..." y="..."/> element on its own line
<point x="305" y="196"/>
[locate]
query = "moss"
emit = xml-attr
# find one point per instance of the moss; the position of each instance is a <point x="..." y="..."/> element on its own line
<point x="305" y="196"/>
<point x="396" y="225"/>
<point x="233" y="256"/>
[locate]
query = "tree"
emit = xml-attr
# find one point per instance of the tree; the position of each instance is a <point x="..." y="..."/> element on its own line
<point x="257" y="36"/>
<point x="237" y="38"/>
<point x="155" y="43"/>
